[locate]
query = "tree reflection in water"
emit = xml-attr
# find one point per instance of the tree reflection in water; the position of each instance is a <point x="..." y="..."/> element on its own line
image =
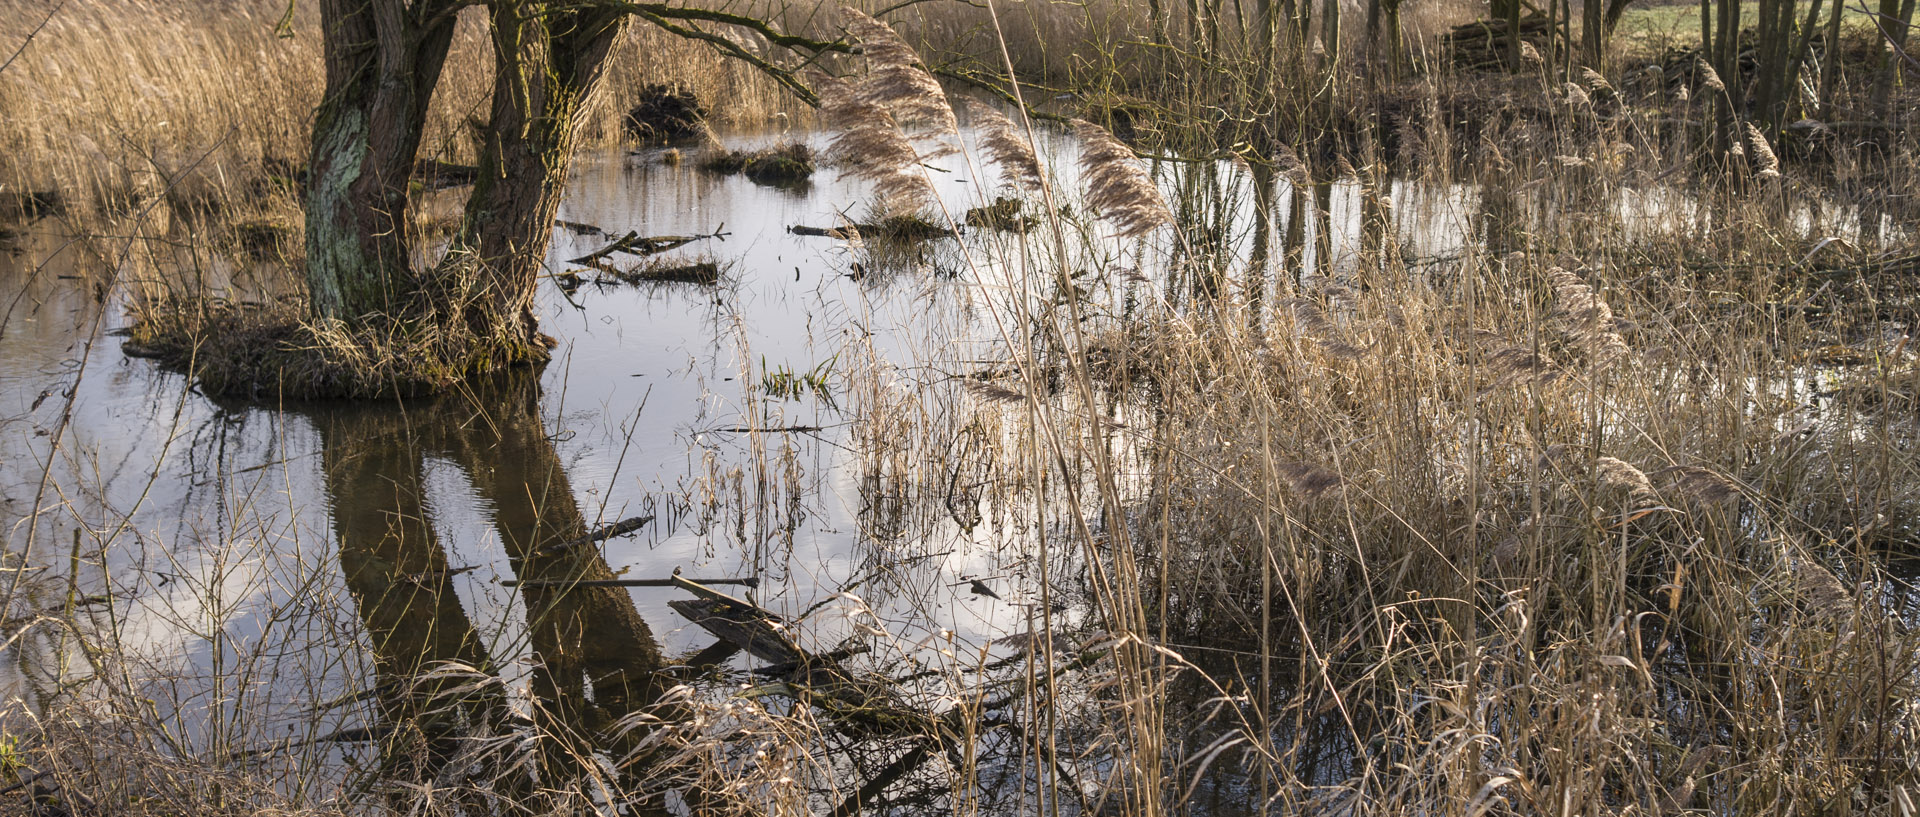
<point x="443" y="714"/>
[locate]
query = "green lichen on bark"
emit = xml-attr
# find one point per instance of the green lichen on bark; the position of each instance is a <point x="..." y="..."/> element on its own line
<point x="336" y="259"/>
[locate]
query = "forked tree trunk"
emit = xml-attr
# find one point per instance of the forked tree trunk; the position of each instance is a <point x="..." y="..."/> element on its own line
<point x="547" y="62"/>
<point x="383" y="58"/>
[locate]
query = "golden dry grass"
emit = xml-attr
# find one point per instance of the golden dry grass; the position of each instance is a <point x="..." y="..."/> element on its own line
<point x="112" y="104"/>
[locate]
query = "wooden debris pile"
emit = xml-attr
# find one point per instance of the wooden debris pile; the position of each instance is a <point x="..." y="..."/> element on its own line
<point x="1481" y="45"/>
<point x="703" y="271"/>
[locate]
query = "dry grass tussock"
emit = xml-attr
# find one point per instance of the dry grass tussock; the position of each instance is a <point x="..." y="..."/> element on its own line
<point x="255" y="349"/>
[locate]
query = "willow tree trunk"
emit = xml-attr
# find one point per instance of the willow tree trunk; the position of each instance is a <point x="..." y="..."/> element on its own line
<point x="383" y="58"/>
<point x="547" y="62"/>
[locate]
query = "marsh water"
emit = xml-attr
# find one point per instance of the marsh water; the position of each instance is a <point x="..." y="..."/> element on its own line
<point x="260" y="564"/>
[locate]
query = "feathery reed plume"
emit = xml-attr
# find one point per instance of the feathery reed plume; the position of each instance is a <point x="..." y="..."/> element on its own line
<point x="1595" y="81"/>
<point x="1591" y="321"/>
<point x="869" y="146"/>
<point x="995" y="392"/>
<point x="1511" y="363"/>
<point x="1506" y="553"/>
<point x="1005" y="146"/>
<point x="1698" y="484"/>
<point x="1318" y="326"/>
<point x="1117" y="186"/>
<point x="1763" y="156"/>
<point x="1291" y="166"/>
<point x="1618" y="473"/>
<point x="1495" y="158"/>
<point x="1826" y="596"/>
<point x="1577" y="95"/>
<point x="1709" y="78"/>
<point x="895" y="81"/>
<point x="878" y="116"/>
<point x="1310" y="481"/>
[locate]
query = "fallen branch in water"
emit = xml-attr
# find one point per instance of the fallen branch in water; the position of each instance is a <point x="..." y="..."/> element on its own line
<point x="634" y="244"/>
<point x="620" y="528"/>
<point x="748" y="581"/>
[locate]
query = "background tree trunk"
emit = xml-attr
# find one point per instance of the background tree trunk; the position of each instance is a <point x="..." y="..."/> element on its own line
<point x="1593" y="35"/>
<point x="383" y="59"/>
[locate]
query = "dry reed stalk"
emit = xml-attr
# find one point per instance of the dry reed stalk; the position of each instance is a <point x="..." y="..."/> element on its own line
<point x="108" y="107"/>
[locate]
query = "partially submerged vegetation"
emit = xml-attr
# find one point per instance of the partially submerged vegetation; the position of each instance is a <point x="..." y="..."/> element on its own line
<point x="788" y="165"/>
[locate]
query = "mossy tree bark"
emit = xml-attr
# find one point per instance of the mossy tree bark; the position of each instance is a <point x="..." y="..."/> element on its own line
<point x="547" y="61"/>
<point x="383" y="59"/>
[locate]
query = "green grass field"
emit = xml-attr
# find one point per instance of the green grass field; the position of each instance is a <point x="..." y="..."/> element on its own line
<point x="1678" y="24"/>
